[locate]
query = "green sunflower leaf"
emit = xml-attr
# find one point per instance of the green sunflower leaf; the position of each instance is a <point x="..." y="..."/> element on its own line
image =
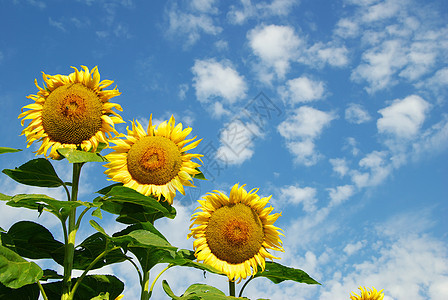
<point x="32" y="240"/>
<point x="131" y="206"/>
<point x="91" y="248"/>
<point x="197" y="292"/>
<point x="36" y="172"/>
<point x="42" y="202"/>
<point x="186" y="258"/>
<point x="91" y="286"/>
<point x="15" y="271"/>
<point x="29" y="292"/>
<point x="78" y="156"/>
<point x="278" y="273"/>
<point x="8" y="150"/>
<point x="143" y="240"/>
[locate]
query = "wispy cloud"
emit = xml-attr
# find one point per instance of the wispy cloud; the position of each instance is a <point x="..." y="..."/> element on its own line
<point x="301" y="129"/>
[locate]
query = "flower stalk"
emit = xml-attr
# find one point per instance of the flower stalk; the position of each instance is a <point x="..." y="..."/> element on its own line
<point x="71" y="237"/>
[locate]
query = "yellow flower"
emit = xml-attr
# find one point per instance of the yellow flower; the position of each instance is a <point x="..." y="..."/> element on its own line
<point x="154" y="162"/>
<point x="234" y="233"/>
<point x="368" y="294"/>
<point x="70" y="112"/>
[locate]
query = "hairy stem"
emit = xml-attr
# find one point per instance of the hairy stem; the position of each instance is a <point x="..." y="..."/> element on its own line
<point x="231" y="288"/>
<point x="244" y="285"/>
<point x="70" y="242"/>
<point x="145" y="284"/>
<point x="41" y="288"/>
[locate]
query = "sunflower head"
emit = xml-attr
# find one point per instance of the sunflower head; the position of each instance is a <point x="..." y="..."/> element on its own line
<point x="233" y="233"/>
<point x="71" y="111"/>
<point x="368" y="294"/>
<point x="154" y="162"/>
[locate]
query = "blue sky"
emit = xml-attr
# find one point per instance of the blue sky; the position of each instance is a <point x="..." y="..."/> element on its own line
<point x="338" y="109"/>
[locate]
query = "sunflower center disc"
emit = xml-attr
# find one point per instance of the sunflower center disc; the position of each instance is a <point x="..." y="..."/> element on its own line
<point x="154" y="160"/>
<point x="72" y="114"/>
<point x="234" y="233"/>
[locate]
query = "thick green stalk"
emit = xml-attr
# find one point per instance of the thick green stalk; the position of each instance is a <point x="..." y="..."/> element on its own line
<point x="145" y="286"/>
<point x="231" y="288"/>
<point x="70" y="242"/>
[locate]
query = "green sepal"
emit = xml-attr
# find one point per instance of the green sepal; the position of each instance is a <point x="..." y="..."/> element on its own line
<point x="36" y="172"/>
<point x="8" y="150"/>
<point x="278" y="273"/>
<point x="15" y="271"/>
<point x="79" y="156"/>
<point x="200" y="175"/>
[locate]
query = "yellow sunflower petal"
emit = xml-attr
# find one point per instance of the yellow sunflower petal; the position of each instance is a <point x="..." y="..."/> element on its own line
<point x="70" y="111"/>
<point x="151" y="161"/>
<point x="230" y="233"/>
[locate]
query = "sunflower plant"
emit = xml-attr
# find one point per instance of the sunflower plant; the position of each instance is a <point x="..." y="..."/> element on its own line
<point x="72" y="119"/>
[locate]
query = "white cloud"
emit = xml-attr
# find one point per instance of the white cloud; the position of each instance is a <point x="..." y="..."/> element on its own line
<point x="296" y="195"/>
<point x="380" y="64"/>
<point x="407" y="268"/>
<point x="351" y="144"/>
<point x="398" y="42"/>
<point x="190" y="25"/>
<point x="183" y="89"/>
<point x="218" y="79"/>
<point x="383" y="10"/>
<point x="355" y="113"/>
<point x="275" y="45"/>
<point x="204" y="6"/>
<point x="346" y="28"/>
<point x="403" y="118"/>
<point x="433" y="140"/>
<point x="377" y="166"/>
<point x="302" y="89"/>
<point x="350" y="249"/>
<point x="339" y="166"/>
<point x="248" y="10"/>
<point x="321" y="54"/>
<point x="301" y="129"/>
<point x="305" y="122"/>
<point x="57" y="24"/>
<point x="237" y="142"/>
<point x="340" y="194"/>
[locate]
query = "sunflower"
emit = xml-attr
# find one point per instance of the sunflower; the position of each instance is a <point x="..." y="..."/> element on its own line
<point x="154" y="162"/>
<point x="234" y="233"/>
<point x="71" y="112"/>
<point x="368" y="294"/>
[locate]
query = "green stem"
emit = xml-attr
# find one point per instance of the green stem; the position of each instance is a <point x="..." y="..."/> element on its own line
<point x="78" y="223"/>
<point x="145" y="283"/>
<point x="244" y="286"/>
<point x="232" y="288"/>
<point x="78" y="282"/>
<point x="157" y="277"/>
<point x="138" y="271"/>
<point x="70" y="243"/>
<point x="41" y="288"/>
